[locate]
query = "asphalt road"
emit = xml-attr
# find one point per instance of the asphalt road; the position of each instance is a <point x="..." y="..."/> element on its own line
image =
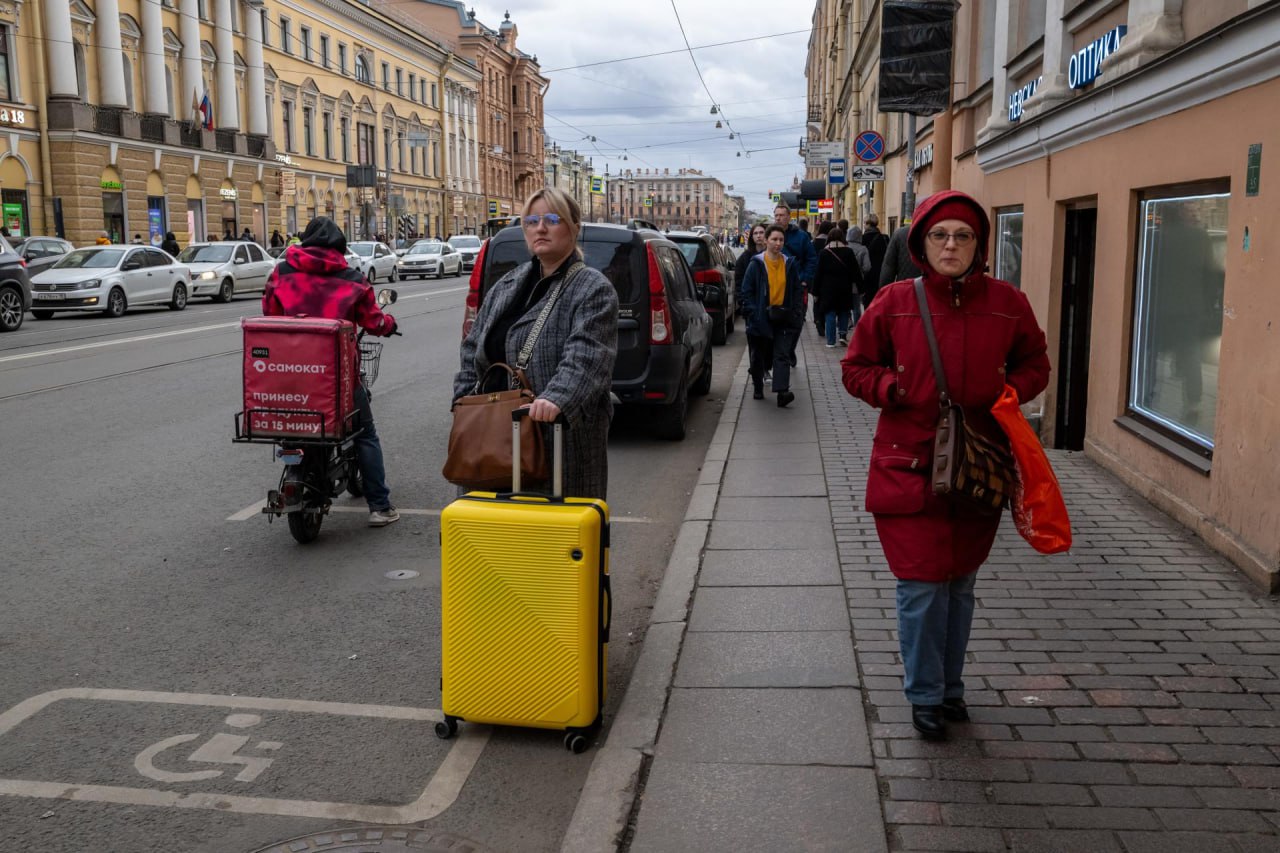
<point x="221" y="688"/>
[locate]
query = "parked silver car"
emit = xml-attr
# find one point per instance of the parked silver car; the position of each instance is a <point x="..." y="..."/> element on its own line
<point x="430" y="257"/>
<point x="110" y="279"/>
<point x="221" y="270"/>
<point x="468" y="245"/>
<point x="375" y="260"/>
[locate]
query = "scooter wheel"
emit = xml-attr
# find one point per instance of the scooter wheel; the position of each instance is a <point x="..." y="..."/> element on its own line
<point x="305" y="526"/>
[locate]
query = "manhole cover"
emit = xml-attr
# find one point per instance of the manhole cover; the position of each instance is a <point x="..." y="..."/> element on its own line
<point x="402" y="574"/>
<point x="377" y="839"/>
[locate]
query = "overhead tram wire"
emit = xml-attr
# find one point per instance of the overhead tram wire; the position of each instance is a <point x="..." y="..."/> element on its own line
<point x="686" y="48"/>
<point x="715" y="108"/>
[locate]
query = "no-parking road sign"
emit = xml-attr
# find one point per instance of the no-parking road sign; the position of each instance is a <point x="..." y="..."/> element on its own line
<point x="868" y="146"/>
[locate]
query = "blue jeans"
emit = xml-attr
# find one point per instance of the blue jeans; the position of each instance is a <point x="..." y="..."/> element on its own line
<point x="933" y="632"/>
<point x="837" y="319"/>
<point x="369" y="455"/>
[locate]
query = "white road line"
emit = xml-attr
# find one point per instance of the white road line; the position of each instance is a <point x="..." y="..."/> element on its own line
<point x="248" y="512"/>
<point x="432" y="293"/>
<point x="357" y="509"/>
<point x="135" y="339"/>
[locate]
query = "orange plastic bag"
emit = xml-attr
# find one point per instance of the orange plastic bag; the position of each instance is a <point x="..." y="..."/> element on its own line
<point x="1039" y="512"/>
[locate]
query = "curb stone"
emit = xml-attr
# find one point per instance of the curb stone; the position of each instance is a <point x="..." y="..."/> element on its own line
<point x="614" y="780"/>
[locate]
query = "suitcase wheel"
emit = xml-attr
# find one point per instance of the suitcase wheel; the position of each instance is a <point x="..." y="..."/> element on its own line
<point x="448" y="728"/>
<point x="574" y="742"/>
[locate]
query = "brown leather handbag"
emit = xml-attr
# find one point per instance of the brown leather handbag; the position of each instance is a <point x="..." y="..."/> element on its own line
<point x="479" y="454"/>
<point x="967" y="465"/>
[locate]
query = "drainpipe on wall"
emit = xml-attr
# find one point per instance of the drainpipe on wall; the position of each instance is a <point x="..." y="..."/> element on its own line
<point x="42" y="119"/>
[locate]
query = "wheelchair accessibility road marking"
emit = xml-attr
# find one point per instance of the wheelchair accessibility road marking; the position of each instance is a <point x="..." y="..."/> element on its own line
<point x="233" y="761"/>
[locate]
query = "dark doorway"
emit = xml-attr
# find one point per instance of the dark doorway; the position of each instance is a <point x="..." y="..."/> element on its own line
<point x="1077" y="312"/>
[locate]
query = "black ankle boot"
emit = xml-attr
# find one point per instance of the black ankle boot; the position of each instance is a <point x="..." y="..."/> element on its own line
<point x="955" y="710"/>
<point x="927" y="720"/>
<point x="758" y="393"/>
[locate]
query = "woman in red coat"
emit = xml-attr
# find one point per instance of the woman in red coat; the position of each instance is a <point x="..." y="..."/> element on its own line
<point x="988" y="337"/>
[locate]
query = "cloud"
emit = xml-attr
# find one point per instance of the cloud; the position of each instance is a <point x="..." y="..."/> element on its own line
<point x="656" y="109"/>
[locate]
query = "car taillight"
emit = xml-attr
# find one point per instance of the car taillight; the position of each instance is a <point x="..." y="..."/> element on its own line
<point x="23" y="261"/>
<point x="473" y="294"/>
<point x="708" y="277"/>
<point x="659" y="331"/>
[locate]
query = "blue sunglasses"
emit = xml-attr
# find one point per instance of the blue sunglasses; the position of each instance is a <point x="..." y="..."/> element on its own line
<point x="532" y="220"/>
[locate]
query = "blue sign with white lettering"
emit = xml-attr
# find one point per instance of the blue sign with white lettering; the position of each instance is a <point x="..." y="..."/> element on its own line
<point x="1086" y="64"/>
<point x="1020" y="97"/>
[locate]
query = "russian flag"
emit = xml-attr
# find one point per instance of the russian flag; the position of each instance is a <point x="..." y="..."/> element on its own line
<point x="206" y="112"/>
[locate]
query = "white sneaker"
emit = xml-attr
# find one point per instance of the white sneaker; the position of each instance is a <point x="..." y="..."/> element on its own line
<point x="383" y="517"/>
<point x="844" y="342"/>
<point x="831" y="346"/>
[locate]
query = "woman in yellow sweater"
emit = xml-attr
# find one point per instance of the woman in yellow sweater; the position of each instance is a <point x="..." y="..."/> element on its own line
<point x="773" y="303"/>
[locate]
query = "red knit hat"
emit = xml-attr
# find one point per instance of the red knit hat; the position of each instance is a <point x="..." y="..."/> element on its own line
<point x="955" y="208"/>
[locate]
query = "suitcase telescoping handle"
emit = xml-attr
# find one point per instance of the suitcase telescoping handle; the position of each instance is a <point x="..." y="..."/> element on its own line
<point x="557" y="452"/>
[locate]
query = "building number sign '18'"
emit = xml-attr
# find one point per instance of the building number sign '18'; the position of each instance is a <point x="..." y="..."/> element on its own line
<point x="8" y="116"/>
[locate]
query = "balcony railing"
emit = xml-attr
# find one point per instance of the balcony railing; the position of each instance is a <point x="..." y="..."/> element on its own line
<point x="190" y="135"/>
<point x="108" y="120"/>
<point x="257" y="146"/>
<point x="225" y="141"/>
<point x="153" y="128"/>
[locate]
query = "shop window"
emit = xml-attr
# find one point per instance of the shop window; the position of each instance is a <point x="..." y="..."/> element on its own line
<point x="1178" y="311"/>
<point x="1008" y="266"/>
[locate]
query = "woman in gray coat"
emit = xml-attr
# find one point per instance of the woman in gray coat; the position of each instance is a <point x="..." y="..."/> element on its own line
<point x="571" y="367"/>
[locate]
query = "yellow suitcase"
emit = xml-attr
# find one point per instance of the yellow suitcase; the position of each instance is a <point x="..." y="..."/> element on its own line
<point x="525" y="609"/>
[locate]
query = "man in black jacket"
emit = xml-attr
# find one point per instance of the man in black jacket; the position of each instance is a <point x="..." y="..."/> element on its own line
<point x="876" y="243"/>
<point x="897" y="264"/>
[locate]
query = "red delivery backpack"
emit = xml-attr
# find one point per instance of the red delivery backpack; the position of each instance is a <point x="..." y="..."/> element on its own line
<point x="299" y="377"/>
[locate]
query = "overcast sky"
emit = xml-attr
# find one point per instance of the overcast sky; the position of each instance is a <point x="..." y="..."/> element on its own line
<point x="660" y="101"/>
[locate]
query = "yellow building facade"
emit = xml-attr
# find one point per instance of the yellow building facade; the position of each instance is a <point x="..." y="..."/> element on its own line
<point x="213" y="117"/>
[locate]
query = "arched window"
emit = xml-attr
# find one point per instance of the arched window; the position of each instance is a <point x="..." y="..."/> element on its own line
<point x="361" y="69"/>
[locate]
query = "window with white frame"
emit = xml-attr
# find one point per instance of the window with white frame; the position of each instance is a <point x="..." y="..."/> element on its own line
<point x="308" y="140"/>
<point x="362" y="70"/>
<point x="342" y="58"/>
<point x="304" y="36"/>
<point x="1177" y="318"/>
<point x="7" y="92"/>
<point x="286" y="119"/>
<point x="324" y="50"/>
<point x="286" y="37"/>
<point x="1008" y="266"/>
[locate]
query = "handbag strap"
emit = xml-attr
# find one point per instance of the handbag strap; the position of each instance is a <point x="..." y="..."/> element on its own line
<point x="944" y="395"/>
<point x="526" y="351"/>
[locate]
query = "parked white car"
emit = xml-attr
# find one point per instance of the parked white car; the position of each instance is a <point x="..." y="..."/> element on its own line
<point x="221" y="270"/>
<point x="430" y="257"/>
<point x="468" y="245"/>
<point x="375" y="261"/>
<point x="110" y="279"/>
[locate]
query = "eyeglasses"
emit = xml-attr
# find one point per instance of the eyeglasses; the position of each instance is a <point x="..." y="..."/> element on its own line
<point x="940" y="238"/>
<point x="534" y="219"/>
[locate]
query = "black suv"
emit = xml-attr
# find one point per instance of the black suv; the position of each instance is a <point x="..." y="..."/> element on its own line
<point x="664" y="333"/>
<point x="15" y="288"/>
<point x="713" y="267"/>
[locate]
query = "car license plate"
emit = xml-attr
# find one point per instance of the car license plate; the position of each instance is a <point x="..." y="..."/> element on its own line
<point x="50" y="296"/>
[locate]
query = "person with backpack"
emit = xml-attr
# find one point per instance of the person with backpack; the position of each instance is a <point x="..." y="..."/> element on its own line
<point x="842" y="269"/>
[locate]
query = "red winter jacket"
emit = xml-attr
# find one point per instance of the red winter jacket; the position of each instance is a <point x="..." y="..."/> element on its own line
<point x="988" y="336"/>
<point x="316" y="282"/>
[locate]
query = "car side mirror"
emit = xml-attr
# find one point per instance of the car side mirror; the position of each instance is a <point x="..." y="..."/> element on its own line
<point x="239" y="260"/>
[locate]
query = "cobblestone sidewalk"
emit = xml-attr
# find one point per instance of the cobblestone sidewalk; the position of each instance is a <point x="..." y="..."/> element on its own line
<point x="1124" y="696"/>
